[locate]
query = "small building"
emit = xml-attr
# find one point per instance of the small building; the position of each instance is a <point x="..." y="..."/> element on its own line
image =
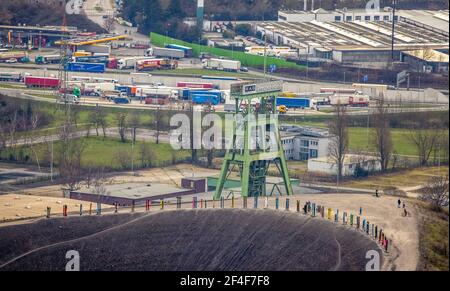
<point x="303" y="143"/>
<point x="426" y="60"/>
<point x="327" y="165"/>
<point x="138" y="193"/>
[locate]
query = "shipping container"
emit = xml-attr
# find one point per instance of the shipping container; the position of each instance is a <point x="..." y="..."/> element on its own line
<point x="42" y="82"/>
<point x="86" y="67"/>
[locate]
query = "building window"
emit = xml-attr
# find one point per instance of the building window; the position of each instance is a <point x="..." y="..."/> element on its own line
<point x="367" y="18"/>
<point x="377" y="18"/>
<point x="386" y="17"/>
<point x="337" y="18"/>
<point x="348" y="18"/>
<point x="313" y="154"/>
<point x="357" y="18"/>
<point x="395" y="18"/>
<point x="305" y="143"/>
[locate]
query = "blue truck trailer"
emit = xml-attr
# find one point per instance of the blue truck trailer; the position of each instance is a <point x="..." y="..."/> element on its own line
<point x="218" y="94"/>
<point x="86" y="67"/>
<point x="184" y="94"/>
<point x="205" y="99"/>
<point x="292" y="102"/>
<point x="188" y="53"/>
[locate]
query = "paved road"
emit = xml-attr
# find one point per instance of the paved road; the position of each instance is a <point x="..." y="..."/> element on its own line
<point x="141" y="134"/>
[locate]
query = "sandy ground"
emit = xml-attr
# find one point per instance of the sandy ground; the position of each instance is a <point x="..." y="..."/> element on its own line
<point x="13" y="206"/>
<point x="383" y="211"/>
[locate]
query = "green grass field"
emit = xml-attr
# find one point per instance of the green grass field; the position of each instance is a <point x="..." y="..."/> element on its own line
<point x="101" y="152"/>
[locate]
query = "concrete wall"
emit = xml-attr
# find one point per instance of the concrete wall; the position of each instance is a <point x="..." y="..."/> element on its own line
<point x="321" y="166"/>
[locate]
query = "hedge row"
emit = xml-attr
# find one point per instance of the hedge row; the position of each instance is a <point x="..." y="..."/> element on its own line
<point x="246" y="59"/>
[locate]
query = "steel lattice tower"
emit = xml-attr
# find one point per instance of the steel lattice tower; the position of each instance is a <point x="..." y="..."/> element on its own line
<point x="253" y="157"/>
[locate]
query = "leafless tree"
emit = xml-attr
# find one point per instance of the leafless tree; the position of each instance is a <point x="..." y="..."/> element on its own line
<point x="338" y="128"/>
<point x="425" y="139"/>
<point x="436" y="191"/>
<point x="134" y="123"/>
<point x="122" y="124"/>
<point x="34" y="122"/>
<point x="70" y="156"/>
<point x="98" y="120"/>
<point x="382" y="137"/>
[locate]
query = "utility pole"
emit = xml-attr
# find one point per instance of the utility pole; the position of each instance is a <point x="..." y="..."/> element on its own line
<point x="265" y="54"/>
<point x="394" y="3"/>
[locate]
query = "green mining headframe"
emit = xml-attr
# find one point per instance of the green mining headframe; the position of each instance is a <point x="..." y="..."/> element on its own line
<point x="256" y="142"/>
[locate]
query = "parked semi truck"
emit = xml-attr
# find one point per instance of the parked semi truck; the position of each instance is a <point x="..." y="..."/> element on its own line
<point x="165" y="53"/>
<point x="156" y="64"/>
<point x="86" y="67"/>
<point x="188" y="53"/>
<point x="12" y="76"/>
<point x="49" y="59"/>
<point x="293" y="102"/>
<point x="42" y="82"/>
<point x="129" y="63"/>
<point x="222" y="65"/>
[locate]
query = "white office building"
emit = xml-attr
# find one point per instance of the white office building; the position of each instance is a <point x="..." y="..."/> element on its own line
<point x="303" y="143"/>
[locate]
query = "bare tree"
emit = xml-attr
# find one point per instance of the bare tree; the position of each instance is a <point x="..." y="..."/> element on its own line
<point x="34" y="122"/>
<point x="436" y="191"/>
<point x="97" y="119"/>
<point x="70" y="156"/>
<point x="122" y="124"/>
<point x="338" y="128"/>
<point x="425" y="140"/>
<point x="134" y="123"/>
<point x="382" y="137"/>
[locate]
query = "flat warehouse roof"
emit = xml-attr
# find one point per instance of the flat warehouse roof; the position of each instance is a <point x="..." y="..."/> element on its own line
<point x="136" y="190"/>
<point x="354" y="35"/>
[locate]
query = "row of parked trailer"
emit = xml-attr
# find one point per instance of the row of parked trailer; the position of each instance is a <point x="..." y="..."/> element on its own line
<point x="326" y="97"/>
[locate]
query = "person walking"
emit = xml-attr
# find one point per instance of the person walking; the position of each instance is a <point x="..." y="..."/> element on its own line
<point x="399" y="202"/>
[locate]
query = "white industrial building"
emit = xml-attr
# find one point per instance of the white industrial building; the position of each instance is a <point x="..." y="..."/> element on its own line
<point x="361" y="43"/>
<point x="338" y="15"/>
<point x="303" y="143"/>
<point x="327" y="165"/>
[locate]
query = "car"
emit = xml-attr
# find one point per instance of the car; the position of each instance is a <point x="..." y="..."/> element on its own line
<point x="244" y="69"/>
<point x="105" y="16"/>
<point x="11" y="61"/>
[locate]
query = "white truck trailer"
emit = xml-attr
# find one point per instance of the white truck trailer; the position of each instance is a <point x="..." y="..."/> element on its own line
<point x="222" y="65"/>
